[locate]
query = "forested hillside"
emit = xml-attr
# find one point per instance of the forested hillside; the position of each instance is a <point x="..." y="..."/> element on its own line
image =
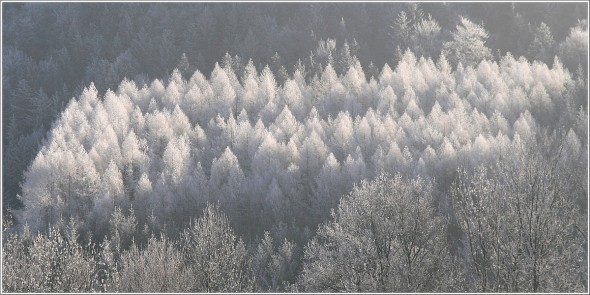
<point x="413" y="150"/>
<point x="51" y="52"/>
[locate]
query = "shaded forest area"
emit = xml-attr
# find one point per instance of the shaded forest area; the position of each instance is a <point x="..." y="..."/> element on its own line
<point x="375" y="147"/>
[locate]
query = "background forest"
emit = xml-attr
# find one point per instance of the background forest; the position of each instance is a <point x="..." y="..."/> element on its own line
<point x="361" y="147"/>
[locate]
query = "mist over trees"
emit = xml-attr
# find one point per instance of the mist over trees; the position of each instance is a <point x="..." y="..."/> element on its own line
<point x="376" y="147"/>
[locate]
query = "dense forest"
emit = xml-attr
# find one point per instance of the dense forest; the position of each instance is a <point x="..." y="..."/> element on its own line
<point x="295" y="147"/>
